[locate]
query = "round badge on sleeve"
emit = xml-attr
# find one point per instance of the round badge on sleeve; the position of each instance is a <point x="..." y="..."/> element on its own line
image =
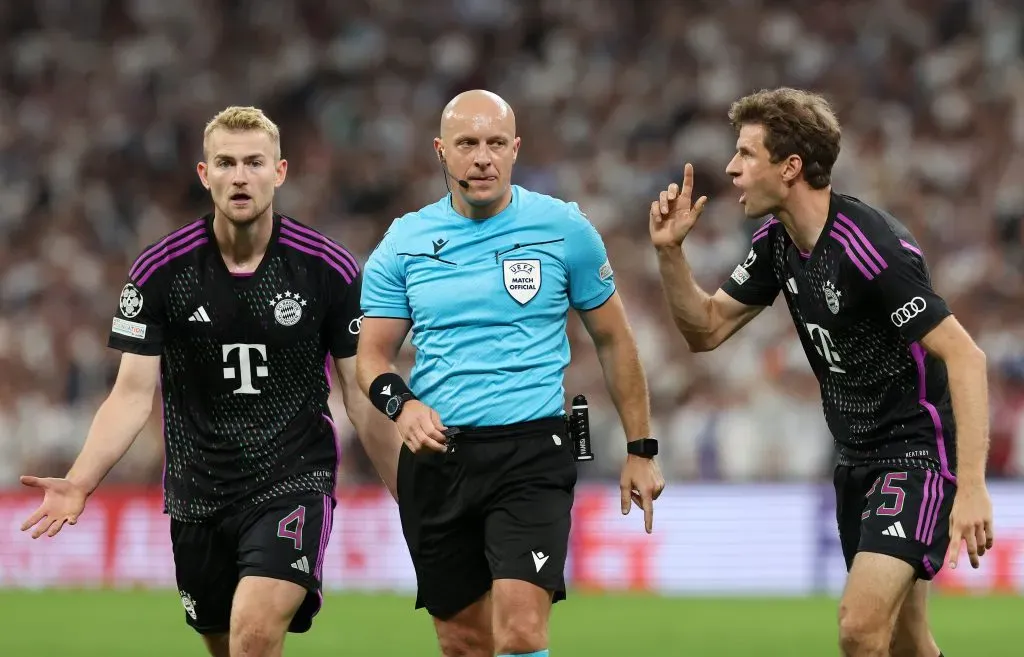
<point x="131" y="301"/>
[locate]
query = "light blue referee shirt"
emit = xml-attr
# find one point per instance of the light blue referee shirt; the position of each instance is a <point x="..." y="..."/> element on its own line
<point x="489" y="301"/>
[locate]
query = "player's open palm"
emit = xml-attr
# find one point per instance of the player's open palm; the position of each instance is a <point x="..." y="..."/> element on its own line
<point x="641" y="482"/>
<point x="420" y="427"/>
<point x="63" y="502"/>
<point x="673" y="214"/>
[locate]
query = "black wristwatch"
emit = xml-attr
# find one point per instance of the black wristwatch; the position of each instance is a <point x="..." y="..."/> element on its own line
<point x="395" y="405"/>
<point x="645" y="447"/>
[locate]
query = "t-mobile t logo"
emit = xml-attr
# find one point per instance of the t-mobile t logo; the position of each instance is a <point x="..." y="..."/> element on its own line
<point x="246" y="369"/>
<point x="826" y="348"/>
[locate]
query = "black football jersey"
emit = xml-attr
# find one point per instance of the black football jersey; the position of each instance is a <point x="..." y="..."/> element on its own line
<point x="245" y="362"/>
<point x="861" y="301"/>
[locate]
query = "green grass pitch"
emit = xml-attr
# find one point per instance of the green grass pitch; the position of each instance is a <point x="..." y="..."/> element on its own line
<point x="151" y="623"/>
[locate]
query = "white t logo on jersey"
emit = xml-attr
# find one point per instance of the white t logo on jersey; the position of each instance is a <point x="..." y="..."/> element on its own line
<point x="826" y="348"/>
<point x="245" y="371"/>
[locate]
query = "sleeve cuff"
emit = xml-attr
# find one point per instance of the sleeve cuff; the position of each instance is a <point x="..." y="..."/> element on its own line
<point x="596" y="302"/>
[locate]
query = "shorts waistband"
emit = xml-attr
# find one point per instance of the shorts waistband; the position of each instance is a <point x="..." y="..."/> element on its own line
<point x="542" y="427"/>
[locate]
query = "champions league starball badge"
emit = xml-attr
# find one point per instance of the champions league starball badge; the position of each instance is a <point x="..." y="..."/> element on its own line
<point x="131" y="301"/>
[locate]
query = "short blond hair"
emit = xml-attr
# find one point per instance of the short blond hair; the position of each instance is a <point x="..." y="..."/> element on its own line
<point x="238" y="119"/>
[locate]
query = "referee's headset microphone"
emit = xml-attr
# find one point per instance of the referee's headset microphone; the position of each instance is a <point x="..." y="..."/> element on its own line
<point x="444" y="167"/>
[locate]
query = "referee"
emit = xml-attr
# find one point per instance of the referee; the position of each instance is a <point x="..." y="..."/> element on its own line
<point x="485" y="278"/>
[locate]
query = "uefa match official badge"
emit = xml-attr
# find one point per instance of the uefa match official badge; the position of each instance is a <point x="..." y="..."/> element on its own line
<point x="832" y="296"/>
<point x="288" y="308"/>
<point x="522" y="279"/>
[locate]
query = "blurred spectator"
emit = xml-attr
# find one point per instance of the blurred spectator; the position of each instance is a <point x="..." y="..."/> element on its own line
<point x="104" y="102"/>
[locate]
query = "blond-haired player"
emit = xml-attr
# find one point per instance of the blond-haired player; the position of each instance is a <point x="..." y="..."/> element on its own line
<point x="237" y="316"/>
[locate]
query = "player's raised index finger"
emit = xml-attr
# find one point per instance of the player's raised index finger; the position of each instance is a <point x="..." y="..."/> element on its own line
<point x="687" y="182"/>
<point x="648" y="512"/>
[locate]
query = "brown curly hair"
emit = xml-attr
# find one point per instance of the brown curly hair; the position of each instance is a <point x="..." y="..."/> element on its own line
<point x="795" y="122"/>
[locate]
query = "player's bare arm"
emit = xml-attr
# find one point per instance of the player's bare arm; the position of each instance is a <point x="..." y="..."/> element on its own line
<point x="377" y="434"/>
<point x="115" y="426"/>
<point x="971" y="518"/>
<point x="608" y="326"/>
<point x="706" y="321"/>
<point x="419" y="426"/>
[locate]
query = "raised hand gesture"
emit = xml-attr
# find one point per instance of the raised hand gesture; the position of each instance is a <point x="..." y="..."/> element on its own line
<point x="672" y="215"/>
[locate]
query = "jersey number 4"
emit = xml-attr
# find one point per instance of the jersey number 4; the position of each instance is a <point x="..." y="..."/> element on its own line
<point x="826" y="348"/>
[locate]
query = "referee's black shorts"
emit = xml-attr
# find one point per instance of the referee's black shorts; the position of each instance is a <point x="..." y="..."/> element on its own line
<point x="496" y="507"/>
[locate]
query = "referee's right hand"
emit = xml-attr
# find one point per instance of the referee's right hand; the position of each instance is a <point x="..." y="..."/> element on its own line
<point x="420" y="427"/>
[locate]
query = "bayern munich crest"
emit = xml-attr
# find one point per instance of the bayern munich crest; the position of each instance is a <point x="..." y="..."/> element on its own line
<point x="832" y="297"/>
<point x="131" y="301"/>
<point x="288" y="308"/>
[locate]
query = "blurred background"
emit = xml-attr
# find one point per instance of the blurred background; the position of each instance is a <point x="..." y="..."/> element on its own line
<point x="102" y="106"/>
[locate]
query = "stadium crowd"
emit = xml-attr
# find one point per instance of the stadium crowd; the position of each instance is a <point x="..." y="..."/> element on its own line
<point x="103" y="104"/>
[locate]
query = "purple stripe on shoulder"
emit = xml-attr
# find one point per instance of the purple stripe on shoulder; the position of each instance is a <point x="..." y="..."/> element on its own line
<point x="318" y="254"/>
<point x="842" y="218"/>
<point x="169" y="256"/>
<point x="851" y="255"/>
<point x="320" y="246"/>
<point x="855" y="244"/>
<point x="918" y="352"/>
<point x="910" y="247"/>
<point x="344" y="256"/>
<point x="172" y="241"/>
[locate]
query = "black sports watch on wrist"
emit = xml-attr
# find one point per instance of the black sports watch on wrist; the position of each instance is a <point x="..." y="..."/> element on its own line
<point x="645" y="447"/>
<point x="396" y="404"/>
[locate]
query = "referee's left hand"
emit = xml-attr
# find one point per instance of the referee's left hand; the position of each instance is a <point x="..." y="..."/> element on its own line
<point x="641" y="482"/>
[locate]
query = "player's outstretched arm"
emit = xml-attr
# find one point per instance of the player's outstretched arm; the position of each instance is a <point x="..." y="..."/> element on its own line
<point x="114" y="428"/>
<point x="378" y="435"/>
<point x="380" y="338"/>
<point x="706" y="321"/>
<point x="624" y="376"/>
<point x="970" y="520"/>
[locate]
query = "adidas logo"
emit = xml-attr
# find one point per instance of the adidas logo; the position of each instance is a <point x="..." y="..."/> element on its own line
<point x="302" y="564"/>
<point x="895" y="530"/>
<point x="200" y="316"/>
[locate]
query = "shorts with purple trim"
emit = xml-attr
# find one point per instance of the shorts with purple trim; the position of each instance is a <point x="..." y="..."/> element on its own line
<point x="900" y="512"/>
<point x="284" y="538"/>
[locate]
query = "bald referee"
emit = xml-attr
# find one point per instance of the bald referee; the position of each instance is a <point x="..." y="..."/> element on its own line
<point x="485" y="278"/>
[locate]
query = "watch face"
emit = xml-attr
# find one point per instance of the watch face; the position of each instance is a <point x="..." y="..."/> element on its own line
<point x="393" y="405"/>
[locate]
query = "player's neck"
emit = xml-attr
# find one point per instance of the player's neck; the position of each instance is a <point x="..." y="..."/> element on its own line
<point x="805" y="216"/>
<point x="243" y="246"/>
<point x="469" y="211"/>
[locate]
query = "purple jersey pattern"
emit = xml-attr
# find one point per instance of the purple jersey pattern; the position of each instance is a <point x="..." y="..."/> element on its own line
<point x="245" y="362"/>
<point x="861" y="301"/>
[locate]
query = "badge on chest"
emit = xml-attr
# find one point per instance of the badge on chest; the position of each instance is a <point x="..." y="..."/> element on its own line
<point x="522" y="279"/>
<point x="832" y="297"/>
<point x="288" y="308"/>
